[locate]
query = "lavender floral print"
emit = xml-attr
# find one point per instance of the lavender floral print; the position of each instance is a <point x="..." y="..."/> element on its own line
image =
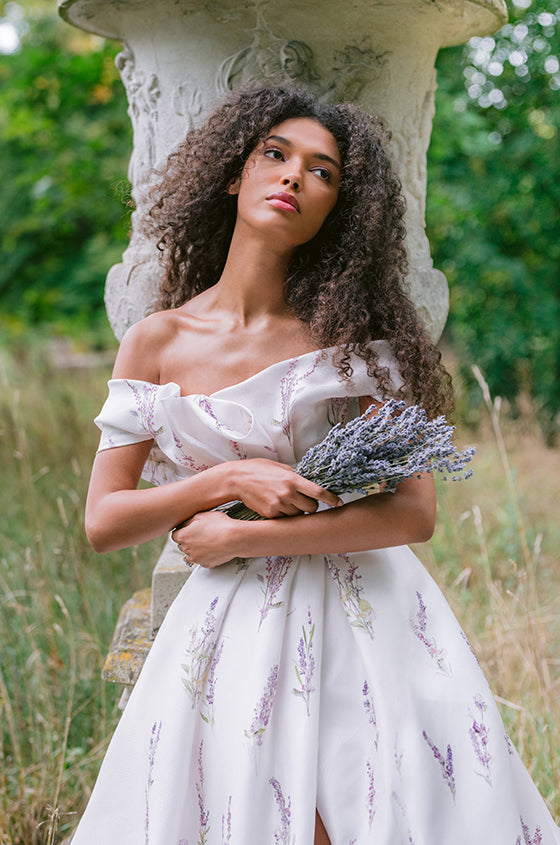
<point x="145" y="398"/>
<point x="446" y="763"/>
<point x="263" y="710"/>
<point x="369" y="707"/>
<point x="282" y="834"/>
<point x="479" y="737"/>
<point x="347" y="577"/>
<point x="200" y="652"/>
<point x="289" y="384"/>
<point x="305" y="664"/>
<point x="207" y="708"/>
<point x="529" y="838"/>
<point x="226" y="825"/>
<point x="271" y="581"/>
<point x="419" y="626"/>
<point x="206" y="405"/>
<point x="203" y="813"/>
<point x="186" y="459"/>
<point x="371" y="792"/>
<point x="154" y="742"/>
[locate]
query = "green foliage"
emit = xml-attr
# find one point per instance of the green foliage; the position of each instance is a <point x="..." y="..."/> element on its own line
<point x="64" y="147"/>
<point x="494" y="205"/>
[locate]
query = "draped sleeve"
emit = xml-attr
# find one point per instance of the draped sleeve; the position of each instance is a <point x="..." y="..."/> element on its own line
<point x="133" y="413"/>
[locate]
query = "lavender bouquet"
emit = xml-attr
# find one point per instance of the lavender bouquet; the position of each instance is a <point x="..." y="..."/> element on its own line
<point x="383" y="448"/>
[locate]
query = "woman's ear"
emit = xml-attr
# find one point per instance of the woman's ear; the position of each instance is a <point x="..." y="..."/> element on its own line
<point x="233" y="187"/>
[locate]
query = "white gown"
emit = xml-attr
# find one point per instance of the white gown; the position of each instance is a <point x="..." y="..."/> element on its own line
<point x="277" y="685"/>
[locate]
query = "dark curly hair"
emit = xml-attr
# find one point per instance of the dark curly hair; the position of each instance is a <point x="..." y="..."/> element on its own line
<point x="346" y="283"/>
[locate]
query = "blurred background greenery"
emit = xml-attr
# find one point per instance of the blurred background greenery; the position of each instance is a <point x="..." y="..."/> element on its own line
<point x="493" y="211"/>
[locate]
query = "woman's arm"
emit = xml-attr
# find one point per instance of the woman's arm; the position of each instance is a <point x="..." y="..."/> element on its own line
<point x="377" y="521"/>
<point x="119" y="515"/>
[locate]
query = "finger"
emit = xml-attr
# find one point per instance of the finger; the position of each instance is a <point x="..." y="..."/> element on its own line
<point x="304" y="504"/>
<point x="314" y="491"/>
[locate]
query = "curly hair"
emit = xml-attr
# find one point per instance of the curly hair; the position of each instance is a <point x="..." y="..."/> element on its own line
<point x="347" y="283"/>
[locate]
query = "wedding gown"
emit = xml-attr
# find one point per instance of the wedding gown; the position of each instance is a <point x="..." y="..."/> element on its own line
<point x="277" y="685"/>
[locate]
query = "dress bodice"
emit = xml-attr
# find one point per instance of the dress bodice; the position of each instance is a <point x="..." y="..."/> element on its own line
<point x="278" y="413"/>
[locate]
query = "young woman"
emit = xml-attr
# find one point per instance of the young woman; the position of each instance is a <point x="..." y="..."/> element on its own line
<point x="310" y="684"/>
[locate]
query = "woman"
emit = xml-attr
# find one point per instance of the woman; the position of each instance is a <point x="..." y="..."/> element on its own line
<point x="309" y="684"/>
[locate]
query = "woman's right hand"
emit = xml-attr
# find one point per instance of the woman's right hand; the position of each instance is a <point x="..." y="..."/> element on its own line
<point x="273" y="489"/>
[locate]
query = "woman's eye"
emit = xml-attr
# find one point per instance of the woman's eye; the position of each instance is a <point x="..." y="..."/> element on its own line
<point x="273" y="152"/>
<point x="323" y="173"/>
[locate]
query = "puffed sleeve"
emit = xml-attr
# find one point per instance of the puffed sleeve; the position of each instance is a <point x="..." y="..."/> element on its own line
<point x="129" y="414"/>
<point x="133" y="413"/>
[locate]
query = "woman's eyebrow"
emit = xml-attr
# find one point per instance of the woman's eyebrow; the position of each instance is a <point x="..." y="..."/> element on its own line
<point x="288" y="143"/>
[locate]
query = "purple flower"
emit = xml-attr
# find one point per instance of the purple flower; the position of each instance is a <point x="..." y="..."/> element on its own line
<point x="380" y="448"/>
<point x="419" y="626"/>
<point x="263" y="710"/>
<point x="358" y="610"/>
<point x="371" y="793"/>
<point x="275" y="571"/>
<point x="211" y="687"/>
<point x="200" y="653"/>
<point x="282" y="833"/>
<point x="288" y="386"/>
<point x="154" y="742"/>
<point x="145" y="399"/>
<point x="509" y="744"/>
<point x="186" y="459"/>
<point x="534" y="839"/>
<point x="305" y="666"/>
<point x="204" y="814"/>
<point x="369" y="708"/>
<point x="471" y="649"/>
<point x="446" y="763"/>
<point x="479" y="737"/>
<point x="226" y="825"/>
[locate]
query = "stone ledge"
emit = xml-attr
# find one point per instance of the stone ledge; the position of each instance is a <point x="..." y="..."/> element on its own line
<point x="131" y="641"/>
<point x="168" y="578"/>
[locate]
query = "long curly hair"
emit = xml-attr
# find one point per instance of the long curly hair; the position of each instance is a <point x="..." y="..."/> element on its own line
<point x="348" y="283"/>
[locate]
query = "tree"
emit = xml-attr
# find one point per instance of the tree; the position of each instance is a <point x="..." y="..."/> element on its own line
<point x="64" y="147"/>
<point x="494" y="204"/>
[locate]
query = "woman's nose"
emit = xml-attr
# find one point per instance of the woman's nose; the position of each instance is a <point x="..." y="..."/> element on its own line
<point x="293" y="180"/>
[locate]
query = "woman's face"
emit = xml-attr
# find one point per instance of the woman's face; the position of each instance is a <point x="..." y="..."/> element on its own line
<point x="290" y="182"/>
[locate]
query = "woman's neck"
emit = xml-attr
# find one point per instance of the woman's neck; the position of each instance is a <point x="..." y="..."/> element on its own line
<point x="252" y="282"/>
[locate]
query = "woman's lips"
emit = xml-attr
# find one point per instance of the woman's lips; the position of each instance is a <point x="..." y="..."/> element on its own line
<point x="287" y="202"/>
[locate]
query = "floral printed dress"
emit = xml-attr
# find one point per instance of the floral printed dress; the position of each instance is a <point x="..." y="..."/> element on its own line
<point x="280" y="684"/>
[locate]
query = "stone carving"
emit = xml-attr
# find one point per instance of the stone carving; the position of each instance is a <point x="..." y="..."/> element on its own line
<point x="187" y="101"/>
<point x="270" y="56"/>
<point x="143" y="91"/>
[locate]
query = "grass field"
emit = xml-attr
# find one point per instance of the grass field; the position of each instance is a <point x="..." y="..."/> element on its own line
<point x="495" y="554"/>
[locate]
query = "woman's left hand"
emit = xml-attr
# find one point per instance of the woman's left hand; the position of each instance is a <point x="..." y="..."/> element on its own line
<point x="207" y="539"/>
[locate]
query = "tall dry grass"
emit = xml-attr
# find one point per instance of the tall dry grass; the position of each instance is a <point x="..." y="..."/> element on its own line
<point x="58" y="599"/>
<point x="495" y="554"/>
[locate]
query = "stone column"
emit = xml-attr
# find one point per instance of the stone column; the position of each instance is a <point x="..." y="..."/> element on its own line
<point x="180" y="56"/>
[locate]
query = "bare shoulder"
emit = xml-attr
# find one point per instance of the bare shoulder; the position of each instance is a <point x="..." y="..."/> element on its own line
<point x="144" y="345"/>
